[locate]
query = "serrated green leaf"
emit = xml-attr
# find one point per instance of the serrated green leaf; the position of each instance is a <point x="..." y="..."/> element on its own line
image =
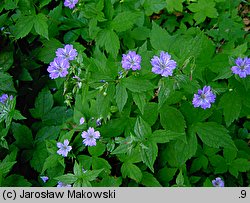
<point x="231" y="104"/>
<point x="153" y="6"/>
<point x="6" y="60"/>
<point x="174" y="5"/>
<point x="67" y="178"/>
<point x="242" y="165"/>
<point x="149" y="152"/>
<point x="180" y="179"/>
<point x="6" y="83"/>
<point x="121" y="96"/>
<point x="163" y="136"/>
<point x="41" y="26"/>
<point x="178" y="152"/>
<point x="219" y="163"/>
<point x="97" y="150"/>
<point x="100" y="163"/>
<point x="124" y="21"/>
<point x="137" y="84"/>
<point x="23" y="26"/>
<point x="168" y="117"/>
<point x="203" y="9"/>
<point x="108" y="39"/>
<point x="149" y="180"/>
<point x="160" y="38"/>
<point x="142" y="129"/>
<point x="91" y="175"/>
<point x="214" y="135"/>
<point x="43" y="104"/>
<point x="132" y="171"/>
<point x="16" y="181"/>
<point x="47" y="52"/>
<point x="23" y="136"/>
<point x="140" y="100"/>
<point x="50" y="162"/>
<point x="229" y="155"/>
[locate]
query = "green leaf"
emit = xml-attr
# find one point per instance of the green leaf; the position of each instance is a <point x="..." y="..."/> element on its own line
<point x="3" y="18"/>
<point x="137" y="84"/>
<point x="121" y="96"/>
<point x="100" y="163"/>
<point x="149" y="180"/>
<point x="176" y="153"/>
<point x="219" y="163"/>
<point x="165" y="90"/>
<point x="47" y="133"/>
<point x="214" y="135"/>
<point x="180" y="179"/>
<point x="6" y="60"/>
<point x="168" y="117"/>
<point x="229" y="155"/>
<point x="16" y="181"/>
<point x="142" y="129"/>
<point x="23" y="136"/>
<point x="203" y="9"/>
<point x="51" y="162"/>
<point x="97" y="150"/>
<point x="239" y="165"/>
<point x="163" y="136"/>
<point x="44" y="3"/>
<point x="91" y="175"/>
<point x="153" y="6"/>
<point x="124" y="21"/>
<point x="140" y="100"/>
<point x="132" y="171"/>
<point x="43" y="104"/>
<point x="199" y="163"/>
<point x="150" y="114"/>
<point x="160" y="39"/>
<point x="5" y="167"/>
<point x="231" y="104"/>
<point x="17" y="115"/>
<point x="174" y="5"/>
<point x="149" y="152"/>
<point x="6" y="83"/>
<point x="39" y="156"/>
<point x="108" y="39"/>
<point x="41" y="26"/>
<point x="67" y="178"/>
<point x="47" y="53"/>
<point x="23" y="26"/>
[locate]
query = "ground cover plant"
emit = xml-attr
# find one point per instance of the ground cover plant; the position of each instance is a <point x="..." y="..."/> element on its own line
<point x="124" y="93"/>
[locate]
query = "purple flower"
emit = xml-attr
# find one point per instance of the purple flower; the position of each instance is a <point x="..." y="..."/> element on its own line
<point x="82" y="120"/>
<point x="70" y="3"/>
<point x="63" y="148"/>
<point x="204" y="98"/>
<point x="44" y="178"/>
<point x="131" y="61"/>
<point x="99" y="122"/>
<point x="58" y="68"/>
<point x="242" y="67"/>
<point x="218" y="182"/>
<point x="163" y="65"/>
<point x="61" y="184"/>
<point x="90" y="137"/>
<point x="4" y="98"/>
<point x="68" y="52"/>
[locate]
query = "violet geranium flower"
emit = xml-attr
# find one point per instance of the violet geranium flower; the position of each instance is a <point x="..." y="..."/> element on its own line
<point x="68" y="52"/>
<point x="64" y="148"/>
<point x="58" y="68"/>
<point x="242" y="67"/>
<point x="90" y="137"/>
<point x="163" y="65"/>
<point x="218" y="182"/>
<point x="131" y="61"/>
<point x="70" y="3"/>
<point x="204" y="98"/>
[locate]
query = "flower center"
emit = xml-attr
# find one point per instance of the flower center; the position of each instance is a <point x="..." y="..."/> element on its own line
<point x="203" y="96"/>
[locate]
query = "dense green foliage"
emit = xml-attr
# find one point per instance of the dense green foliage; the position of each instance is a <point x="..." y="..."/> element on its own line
<point x="151" y="134"/>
